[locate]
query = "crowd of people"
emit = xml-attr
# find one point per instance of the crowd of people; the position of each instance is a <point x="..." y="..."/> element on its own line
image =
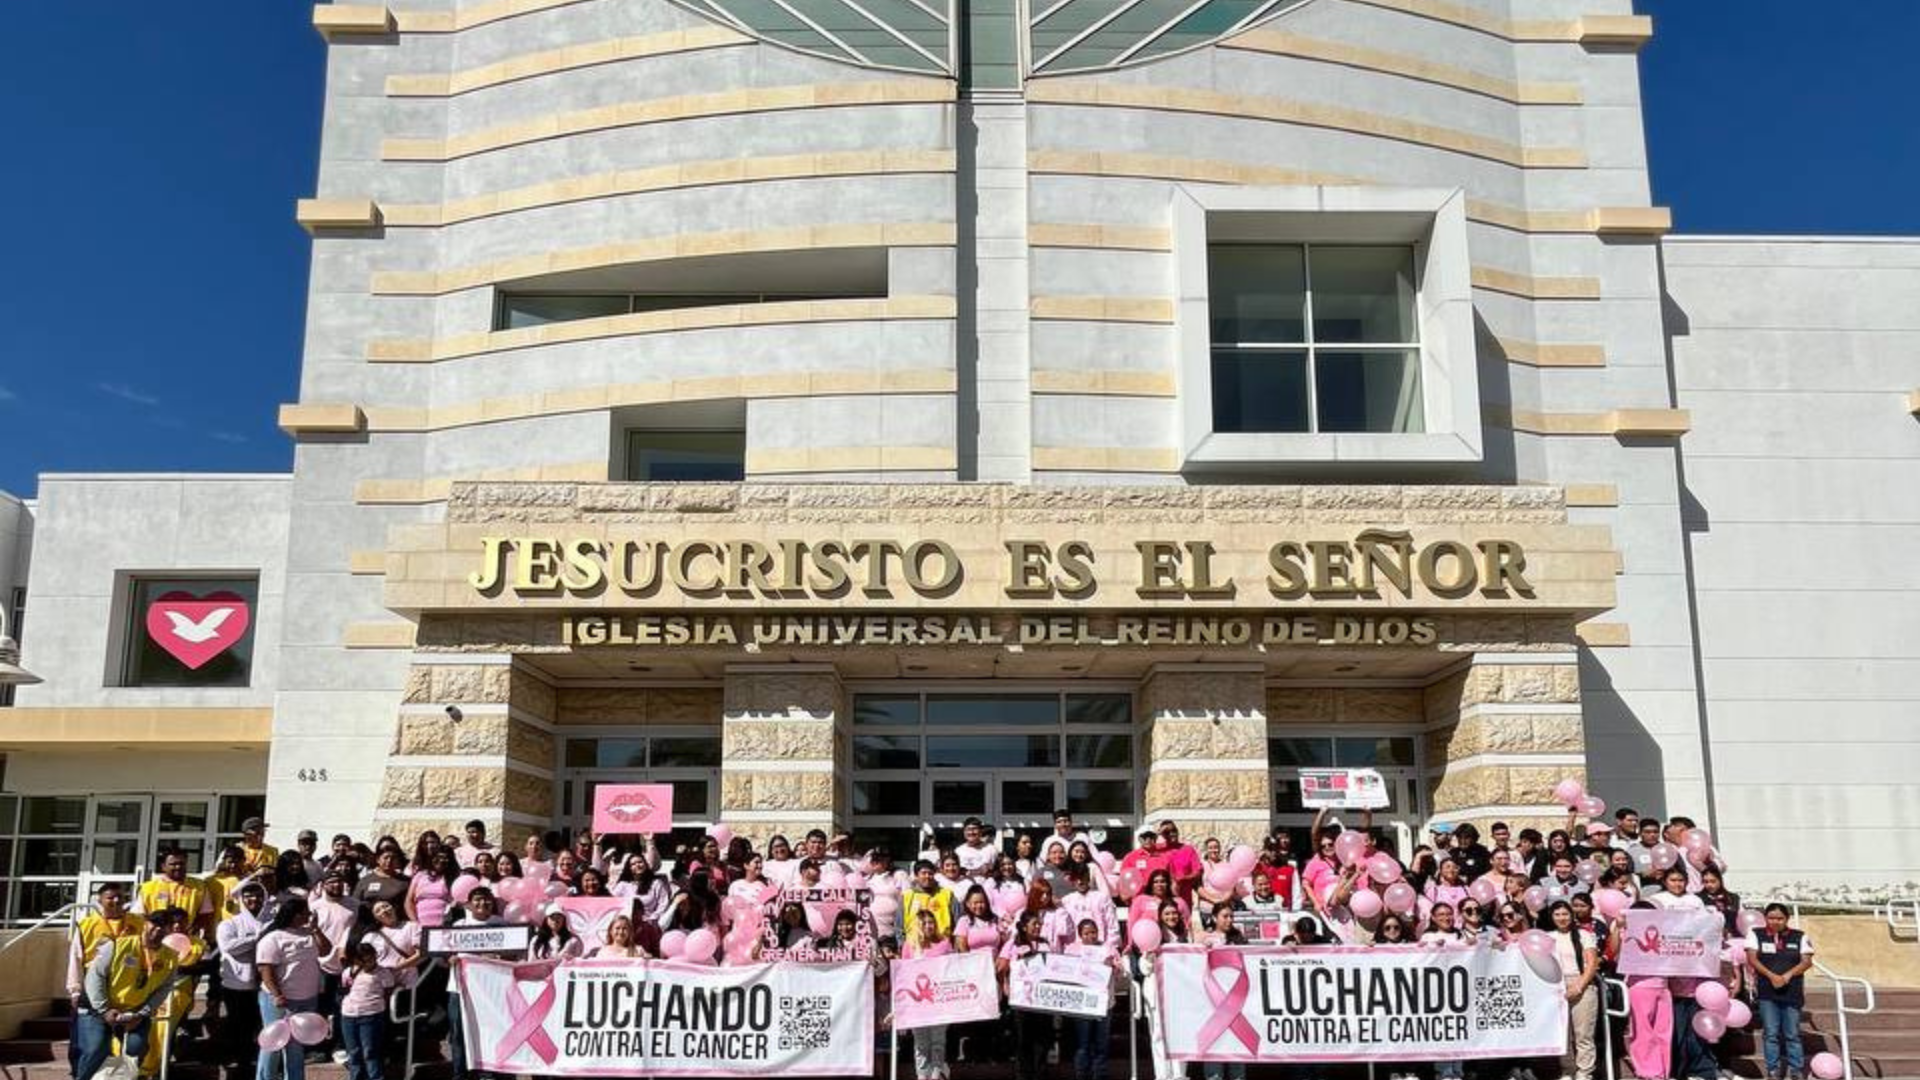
<point x="284" y="937"/>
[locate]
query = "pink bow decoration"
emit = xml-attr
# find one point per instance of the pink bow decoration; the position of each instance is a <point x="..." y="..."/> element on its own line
<point x="1227" y="1003"/>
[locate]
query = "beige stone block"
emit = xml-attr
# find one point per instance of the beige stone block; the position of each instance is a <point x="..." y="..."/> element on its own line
<point x="1182" y="739"/>
<point x="1166" y="790"/>
<point x="1530" y="784"/>
<point x="796" y="740"/>
<point x="530" y="744"/>
<point x="800" y="694"/>
<point x="402" y="787"/>
<point x="1293" y="705"/>
<point x="535" y="697"/>
<point x="423" y="735"/>
<point x="481" y="735"/>
<point x="736" y="791"/>
<point x="1527" y="683"/>
<point x="1240" y="739"/>
<point x="1559" y="734"/>
<point x="528" y="794"/>
<point x="419" y="686"/>
<point x="790" y="791"/>
<point x="1380" y="706"/>
<point x="602" y="705"/>
<point x="685" y="705"/>
<point x="1502" y="734"/>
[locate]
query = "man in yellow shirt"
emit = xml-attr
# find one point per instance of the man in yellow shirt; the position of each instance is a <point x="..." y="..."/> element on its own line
<point x="111" y="922"/>
<point x="173" y="888"/>
<point x="127" y="982"/>
<point x="224" y="883"/>
<point x="259" y="854"/>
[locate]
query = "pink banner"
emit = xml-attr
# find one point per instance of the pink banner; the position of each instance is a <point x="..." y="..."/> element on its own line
<point x="632" y="808"/>
<point x="589" y="916"/>
<point x="1685" y="944"/>
<point x="956" y="988"/>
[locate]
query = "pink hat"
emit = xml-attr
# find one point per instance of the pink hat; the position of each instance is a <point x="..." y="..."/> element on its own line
<point x="1595" y="828"/>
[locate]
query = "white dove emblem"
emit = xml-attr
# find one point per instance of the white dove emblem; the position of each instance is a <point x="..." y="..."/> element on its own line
<point x="204" y="630"/>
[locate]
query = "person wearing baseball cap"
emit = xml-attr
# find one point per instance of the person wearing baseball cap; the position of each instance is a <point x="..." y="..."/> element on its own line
<point x="308" y="845"/>
<point x="253" y="844"/>
<point x="1599" y="840"/>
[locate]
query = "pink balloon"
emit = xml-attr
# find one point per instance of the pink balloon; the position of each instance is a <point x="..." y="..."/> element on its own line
<point x="1697" y="840"/>
<point x="1827" y="1066"/>
<point x="673" y="943"/>
<point x="1738" y="1015"/>
<point x="553" y="890"/>
<point x="1127" y="885"/>
<point x="1664" y="855"/>
<point x="820" y="921"/>
<point x="1105" y="860"/>
<point x="1569" y="792"/>
<point x="1401" y="898"/>
<point x="179" y="943"/>
<point x="274" y="1036"/>
<point x="1221" y="879"/>
<point x="308" y="1029"/>
<point x="721" y="835"/>
<point x="1243" y="859"/>
<point x="1145" y="936"/>
<point x="1546" y="965"/>
<point x="524" y="913"/>
<point x="1349" y="846"/>
<point x="536" y="871"/>
<point x="885" y="908"/>
<point x="1535" y="898"/>
<point x="463" y="888"/>
<point x="1536" y="943"/>
<point x="1383" y="868"/>
<point x="700" y="946"/>
<point x="1484" y="891"/>
<point x="1713" y="997"/>
<point x="1750" y="920"/>
<point x="1709" y="1026"/>
<point x="1592" y="806"/>
<point x="1365" y="904"/>
<point x="856" y="880"/>
<point x="1611" y="902"/>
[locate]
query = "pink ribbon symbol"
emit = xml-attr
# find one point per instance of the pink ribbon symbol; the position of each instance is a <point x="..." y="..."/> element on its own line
<point x="1227" y="1003"/>
<point x="1650" y="940"/>
<point x="526" y="1029"/>
<point x="922" y="990"/>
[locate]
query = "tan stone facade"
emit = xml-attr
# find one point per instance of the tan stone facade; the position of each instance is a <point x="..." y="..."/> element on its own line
<point x="1492" y="697"/>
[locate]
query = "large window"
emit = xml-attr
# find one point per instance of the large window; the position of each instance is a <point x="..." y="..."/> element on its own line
<point x="518" y="311"/>
<point x="687" y="758"/>
<point x="1314" y="338"/>
<point x="927" y="760"/>
<point x="189" y="631"/>
<point x="686" y="455"/>
<point x="1393" y="753"/>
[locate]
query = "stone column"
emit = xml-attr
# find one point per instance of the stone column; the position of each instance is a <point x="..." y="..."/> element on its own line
<point x="493" y="763"/>
<point x="1502" y="732"/>
<point x="1205" y="726"/>
<point x="782" y="729"/>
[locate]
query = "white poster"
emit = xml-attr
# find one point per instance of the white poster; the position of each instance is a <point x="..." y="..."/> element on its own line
<point x="667" y="1018"/>
<point x="1061" y="983"/>
<point x="1342" y="789"/>
<point x="1354" y="1003"/>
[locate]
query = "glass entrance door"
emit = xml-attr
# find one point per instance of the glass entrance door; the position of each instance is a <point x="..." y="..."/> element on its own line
<point x="1393" y="753"/>
<point x="688" y="759"/>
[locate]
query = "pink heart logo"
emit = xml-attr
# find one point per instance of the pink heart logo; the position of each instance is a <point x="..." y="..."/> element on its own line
<point x="195" y="629"/>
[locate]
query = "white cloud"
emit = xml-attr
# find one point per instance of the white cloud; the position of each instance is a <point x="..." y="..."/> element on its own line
<point x="127" y="393"/>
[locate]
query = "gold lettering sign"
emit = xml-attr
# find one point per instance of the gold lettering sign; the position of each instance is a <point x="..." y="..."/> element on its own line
<point x="857" y="629"/>
<point x="1376" y="564"/>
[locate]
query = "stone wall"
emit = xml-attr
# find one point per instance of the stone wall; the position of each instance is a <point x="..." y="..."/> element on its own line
<point x="1503" y="731"/>
<point x="1206" y="735"/>
<point x="493" y="763"/>
<point x="780" y="733"/>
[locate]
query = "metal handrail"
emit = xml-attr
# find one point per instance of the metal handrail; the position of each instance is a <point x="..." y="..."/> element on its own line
<point x="65" y="911"/>
<point x="1901" y="916"/>
<point x="1607" y="984"/>
<point x="1841" y="1011"/>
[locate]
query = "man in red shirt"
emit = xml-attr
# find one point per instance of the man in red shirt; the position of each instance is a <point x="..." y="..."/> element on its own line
<point x="1146" y="857"/>
<point x="1276" y="865"/>
<point x="1183" y="863"/>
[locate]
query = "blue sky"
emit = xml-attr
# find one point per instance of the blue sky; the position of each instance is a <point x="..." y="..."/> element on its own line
<point x="153" y="286"/>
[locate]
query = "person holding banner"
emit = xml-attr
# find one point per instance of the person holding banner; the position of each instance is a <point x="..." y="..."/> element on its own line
<point x="1032" y="1031"/>
<point x="621" y="943"/>
<point x="924" y="938"/>
<point x="1171" y="923"/>
<point x="1092" y="1035"/>
<point x="1579" y="966"/>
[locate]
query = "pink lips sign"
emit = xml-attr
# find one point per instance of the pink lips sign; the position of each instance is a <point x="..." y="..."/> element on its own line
<point x="195" y="629"/>
<point x="633" y="808"/>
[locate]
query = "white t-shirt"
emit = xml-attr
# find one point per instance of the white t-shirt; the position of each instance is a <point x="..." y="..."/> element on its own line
<point x="974" y="860"/>
<point x="1666" y="901"/>
<point x="1054" y="839"/>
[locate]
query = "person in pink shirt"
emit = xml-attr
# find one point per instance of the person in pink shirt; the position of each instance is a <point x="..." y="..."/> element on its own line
<point x="929" y="1043"/>
<point x="1032" y="1031"/>
<point x="977" y="927"/>
<point x="1146" y="906"/>
<point x="1056" y="924"/>
<point x="1446" y="886"/>
<point x="363" y="1013"/>
<point x="430" y="893"/>
<point x="1087" y="904"/>
<point x="475" y="843"/>
<point x="1182" y="861"/>
<point x="1146" y="858"/>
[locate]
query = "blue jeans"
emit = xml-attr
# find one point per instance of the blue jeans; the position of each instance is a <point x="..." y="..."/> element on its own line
<point x="1780" y="1024"/>
<point x="1090" y="1040"/>
<point x="94" y="1040"/>
<point x="365" y="1040"/>
<point x="291" y="1060"/>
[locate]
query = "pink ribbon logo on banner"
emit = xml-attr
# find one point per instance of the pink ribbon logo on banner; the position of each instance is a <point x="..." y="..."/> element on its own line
<point x="1227" y="1003"/>
<point x="1677" y="944"/>
<point x="1648" y="942"/>
<point x="527" y="1018"/>
<point x="947" y="989"/>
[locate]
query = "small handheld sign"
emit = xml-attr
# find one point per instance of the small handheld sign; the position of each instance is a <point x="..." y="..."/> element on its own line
<point x="459" y="940"/>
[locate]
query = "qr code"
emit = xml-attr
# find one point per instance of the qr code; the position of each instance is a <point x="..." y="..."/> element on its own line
<point x="1499" y="1004"/>
<point x="806" y="1022"/>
